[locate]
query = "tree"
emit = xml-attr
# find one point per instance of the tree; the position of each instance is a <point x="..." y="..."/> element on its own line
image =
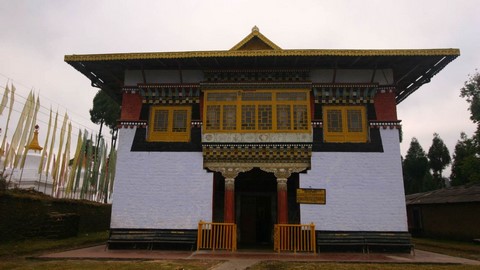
<point x="466" y="159"/>
<point x="471" y="92"/>
<point x="415" y="169"/>
<point x="466" y="163"/>
<point x="438" y="159"/>
<point x="105" y="111"/>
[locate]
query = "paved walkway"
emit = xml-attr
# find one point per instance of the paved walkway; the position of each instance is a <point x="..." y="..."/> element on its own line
<point x="243" y="259"/>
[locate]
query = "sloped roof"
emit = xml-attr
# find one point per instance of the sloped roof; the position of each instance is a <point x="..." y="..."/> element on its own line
<point x="411" y="68"/>
<point x="459" y="194"/>
<point x="255" y="41"/>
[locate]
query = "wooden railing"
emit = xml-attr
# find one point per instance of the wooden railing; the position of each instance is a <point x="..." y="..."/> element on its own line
<point x="217" y="236"/>
<point x="294" y="237"/>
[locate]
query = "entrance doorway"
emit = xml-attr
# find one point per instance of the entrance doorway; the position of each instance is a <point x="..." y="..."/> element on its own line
<point x="256" y="207"/>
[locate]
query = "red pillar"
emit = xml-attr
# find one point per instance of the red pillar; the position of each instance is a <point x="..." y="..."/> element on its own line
<point x="282" y="201"/>
<point x="229" y="208"/>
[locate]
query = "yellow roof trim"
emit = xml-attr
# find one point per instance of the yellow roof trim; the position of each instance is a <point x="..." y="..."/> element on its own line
<point x="259" y="53"/>
<point x="255" y="33"/>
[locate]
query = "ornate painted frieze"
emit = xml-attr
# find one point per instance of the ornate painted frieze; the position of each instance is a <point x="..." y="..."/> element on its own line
<point x="132" y="124"/>
<point x="169" y="93"/>
<point x="222" y="137"/>
<point x="344" y="93"/>
<point x="386" y="124"/>
<point x="239" y="76"/>
<point x="256" y="153"/>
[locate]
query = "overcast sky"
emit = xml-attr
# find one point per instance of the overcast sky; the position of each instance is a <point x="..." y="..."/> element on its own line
<point x="35" y="36"/>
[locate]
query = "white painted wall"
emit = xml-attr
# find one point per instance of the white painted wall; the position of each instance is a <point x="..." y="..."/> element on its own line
<point x="167" y="190"/>
<point x="364" y="191"/>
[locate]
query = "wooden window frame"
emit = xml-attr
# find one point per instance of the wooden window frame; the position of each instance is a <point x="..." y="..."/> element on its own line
<point x="273" y="102"/>
<point x="169" y="135"/>
<point x="344" y="135"/>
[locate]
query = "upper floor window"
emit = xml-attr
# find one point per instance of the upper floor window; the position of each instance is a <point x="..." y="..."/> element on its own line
<point x="257" y="111"/>
<point x="169" y="123"/>
<point x="344" y="124"/>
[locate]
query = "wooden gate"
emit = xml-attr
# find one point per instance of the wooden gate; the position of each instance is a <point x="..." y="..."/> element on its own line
<point x="215" y="236"/>
<point x="294" y="237"/>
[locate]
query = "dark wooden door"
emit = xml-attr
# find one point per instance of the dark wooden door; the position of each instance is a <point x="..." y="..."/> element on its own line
<point x="256" y="219"/>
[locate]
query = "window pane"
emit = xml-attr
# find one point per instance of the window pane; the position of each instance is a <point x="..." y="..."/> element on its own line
<point x="229" y="117"/>
<point x="232" y="96"/>
<point x="213" y="117"/>
<point x="179" y="121"/>
<point x="160" y="123"/>
<point x="248" y="117"/>
<point x="334" y="121"/>
<point x="300" y="117"/>
<point x="354" y="118"/>
<point x="291" y="96"/>
<point x="283" y="117"/>
<point x="256" y="96"/>
<point x="265" y="117"/>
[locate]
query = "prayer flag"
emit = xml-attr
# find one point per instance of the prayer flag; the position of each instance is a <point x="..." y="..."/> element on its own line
<point x="56" y="168"/>
<point x="25" y="130"/>
<point x="44" y="152"/>
<point x="4" y="101"/>
<point x="73" y="169"/>
<point x="18" y="131"/>
<point x="30" y="132"/>
<point x="3" y="150"/>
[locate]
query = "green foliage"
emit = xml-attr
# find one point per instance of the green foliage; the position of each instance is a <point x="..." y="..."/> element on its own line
<point x="438" y="159"/>
<point x="466" y="162"/>
<point x="105" y="110"/>
<point x="416" y="174"/>
<point x="471" y="92"/>
<point x="466" y="158"/>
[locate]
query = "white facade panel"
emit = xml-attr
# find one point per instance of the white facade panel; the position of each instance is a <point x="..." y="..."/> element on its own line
<point x="364" y="191"/>
<point x="159" y="190"/>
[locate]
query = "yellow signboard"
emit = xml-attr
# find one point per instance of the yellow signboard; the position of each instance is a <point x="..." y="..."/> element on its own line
<point x="311" y="196"/>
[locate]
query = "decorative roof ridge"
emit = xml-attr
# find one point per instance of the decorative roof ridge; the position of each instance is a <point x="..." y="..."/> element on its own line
<point x="259" y="53"/>
<point x="255" y="33"/>
<point x="167" y="85"/>
<point x="334" y="85"/>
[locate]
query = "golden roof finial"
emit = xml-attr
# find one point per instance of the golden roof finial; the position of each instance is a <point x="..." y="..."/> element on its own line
<point x="255" y="29"/>
<point x="34" y="145"/>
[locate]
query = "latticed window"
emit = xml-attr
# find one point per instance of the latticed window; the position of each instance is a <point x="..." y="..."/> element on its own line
<point x="248" y="117"/>
<point x="213" y="117"/>
<point x="179" y="121"/>
<point x="334" y="120"/>
<point x="265" y="117"/>
<point x="300" y="117"/>
<point x="252" y="111"/>
<point x="169" y="123"/>
<point x="229" y="117"/>
<point x="160" y="122"/>
<point x="354" y="120"/>
<point x="345" y="124"/>
<point x="283" y="117"/>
